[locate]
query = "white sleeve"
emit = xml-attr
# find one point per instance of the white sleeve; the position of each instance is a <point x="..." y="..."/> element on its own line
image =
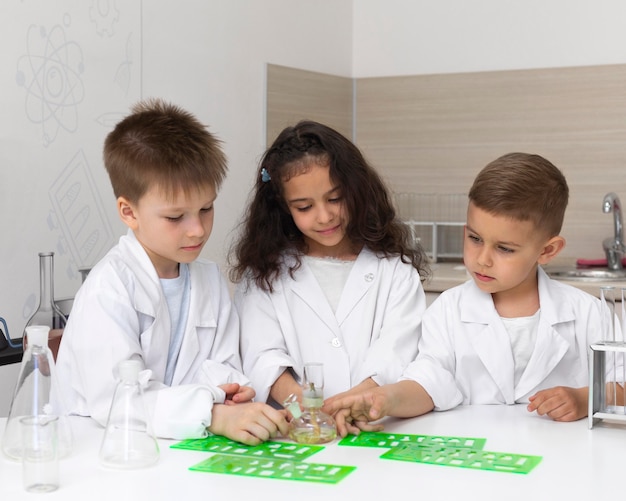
<point x="395" y="346"/>
<point x="434" y="367"/>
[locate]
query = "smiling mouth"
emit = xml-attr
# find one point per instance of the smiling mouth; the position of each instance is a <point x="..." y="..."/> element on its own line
<point x="329" y="230"/>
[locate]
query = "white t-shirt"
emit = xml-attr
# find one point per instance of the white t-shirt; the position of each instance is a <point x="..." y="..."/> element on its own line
<point x="523" y="334"/>
<point x="331" y="274"/>
<point x="176" y="292"/>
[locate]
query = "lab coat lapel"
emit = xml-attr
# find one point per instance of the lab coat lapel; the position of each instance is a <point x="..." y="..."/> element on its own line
<point x="149" y="301"/>
<point x="200" y="315"/>
<point x="308" y="289"/>
<point x="361" y="278"/>
<point x="490" y="340"/>
<point x="550" y="346"/>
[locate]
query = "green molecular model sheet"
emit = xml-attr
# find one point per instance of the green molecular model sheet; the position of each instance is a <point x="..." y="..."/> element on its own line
<point x="441" y="450"/>
<point x="387" y="440"/>
<point x="464" y="458"/>
<point x="284" y="460"/>
<point x="274" y="468"/>
<point x="222" y="445"/>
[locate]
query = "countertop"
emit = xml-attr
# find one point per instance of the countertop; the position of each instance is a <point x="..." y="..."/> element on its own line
<point x="576" y="463"/>
<point x="447" y="275"/>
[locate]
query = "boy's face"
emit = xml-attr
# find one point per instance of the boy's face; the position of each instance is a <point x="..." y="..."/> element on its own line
<point x="318" y="210"/>
<point x="171" y="231"/>
<point x="502" y="253"/>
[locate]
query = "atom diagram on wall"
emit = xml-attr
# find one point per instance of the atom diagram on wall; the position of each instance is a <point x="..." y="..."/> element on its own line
<point x="51" y="74"/>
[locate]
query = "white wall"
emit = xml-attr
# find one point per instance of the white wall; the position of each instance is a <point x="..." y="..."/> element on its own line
<point x="211" y="57"/>
<point x="70" y="69"/>
<point x="411" y="37"/>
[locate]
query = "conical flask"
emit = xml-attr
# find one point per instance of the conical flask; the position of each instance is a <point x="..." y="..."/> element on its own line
<point x="310" y="425"/>
<point x="36" y="383"/>
<point x="128" y="440"/>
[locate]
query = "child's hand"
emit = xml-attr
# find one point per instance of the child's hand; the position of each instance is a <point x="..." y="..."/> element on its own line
<point x="236" y="394"/>
<point x="560" y="403"/>
<point x="354" y="411"/>
<point x="249" y="423"/>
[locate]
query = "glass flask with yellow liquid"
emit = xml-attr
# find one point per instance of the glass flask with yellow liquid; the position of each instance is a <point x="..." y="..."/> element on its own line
<point x="310" y="425"/>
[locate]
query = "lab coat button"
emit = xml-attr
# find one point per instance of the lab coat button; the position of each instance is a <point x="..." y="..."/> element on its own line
<point x="336" y="343"/>
<point x="369" y="277"/>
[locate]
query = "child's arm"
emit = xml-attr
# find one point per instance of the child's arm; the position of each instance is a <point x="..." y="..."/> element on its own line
<point x="354" y="412"/>
<point x="561" y="403"/>
<point x="284" y="386"/>
<point x="250" y="423"/>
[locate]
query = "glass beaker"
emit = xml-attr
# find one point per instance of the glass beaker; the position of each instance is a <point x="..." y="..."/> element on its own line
<point x="311" y="425"/>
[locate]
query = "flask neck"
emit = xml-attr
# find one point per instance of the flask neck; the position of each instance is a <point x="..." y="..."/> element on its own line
<point x="312" y="402"/>
<point x="46" y="282"/>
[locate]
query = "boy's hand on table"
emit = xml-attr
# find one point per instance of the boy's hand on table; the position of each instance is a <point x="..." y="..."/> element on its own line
<point x="250" y="423"/>
<point x="237" y="394"/>
<point x="560" y="403"/>
<point x="353" y="412"/>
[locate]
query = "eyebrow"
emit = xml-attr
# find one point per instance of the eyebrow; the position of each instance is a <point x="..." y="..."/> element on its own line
<point x="306" y="199"/>
<point x="506" y="244"/>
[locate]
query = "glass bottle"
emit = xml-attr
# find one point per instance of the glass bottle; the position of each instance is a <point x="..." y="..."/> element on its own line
<point x="128" y="440"/>
<point x="36" y="395"/>
<point x="310" y="425"/>
<point x="47" y="313"/>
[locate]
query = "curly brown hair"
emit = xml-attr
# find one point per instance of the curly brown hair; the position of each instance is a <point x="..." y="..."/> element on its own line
<point x="268" y="232"/>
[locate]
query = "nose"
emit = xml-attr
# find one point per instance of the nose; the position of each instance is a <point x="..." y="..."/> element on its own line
<point x="484" y="257"/>
<point x="324" y="214"/>
<point x="195" y="227"/>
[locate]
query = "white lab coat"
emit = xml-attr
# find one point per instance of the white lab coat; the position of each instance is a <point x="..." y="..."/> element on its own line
<point x="374" y="332"/>
<point x="120" y="313"/>
<point x="465" y="352"/>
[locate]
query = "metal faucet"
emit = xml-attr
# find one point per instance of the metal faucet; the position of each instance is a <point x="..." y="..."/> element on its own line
<point x="614" y="246"/>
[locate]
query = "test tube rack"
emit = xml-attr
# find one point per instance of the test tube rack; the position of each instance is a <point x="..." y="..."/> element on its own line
<point x="599" y="408"/>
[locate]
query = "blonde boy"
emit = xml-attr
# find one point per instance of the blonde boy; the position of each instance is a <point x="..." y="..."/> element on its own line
<point x="511" y="334"/>
<point x="150" y="298"/>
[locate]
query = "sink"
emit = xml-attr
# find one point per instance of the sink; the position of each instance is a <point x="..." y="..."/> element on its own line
<point x="586" y="274"/>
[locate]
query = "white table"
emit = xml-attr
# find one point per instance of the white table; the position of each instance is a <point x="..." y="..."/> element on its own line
<point x="578" y="463"/>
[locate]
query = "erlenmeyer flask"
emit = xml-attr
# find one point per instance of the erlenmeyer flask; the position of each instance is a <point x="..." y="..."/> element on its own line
<point x="32" y="396"/>
<point x="311" y="425"/>
<point x="128" y="440"/>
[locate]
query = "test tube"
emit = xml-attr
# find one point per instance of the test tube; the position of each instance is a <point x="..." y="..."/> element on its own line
<point x="607" y="305"/>
<point x="623" y="339"/>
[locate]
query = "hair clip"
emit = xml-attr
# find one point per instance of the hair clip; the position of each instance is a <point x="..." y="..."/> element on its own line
<point x="265" y="176"/>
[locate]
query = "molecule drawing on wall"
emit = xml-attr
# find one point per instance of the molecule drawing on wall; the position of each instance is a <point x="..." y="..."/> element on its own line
<point x="51" y="74"/>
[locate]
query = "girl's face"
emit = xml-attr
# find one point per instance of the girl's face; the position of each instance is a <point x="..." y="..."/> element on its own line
<point x="317" y="207"/>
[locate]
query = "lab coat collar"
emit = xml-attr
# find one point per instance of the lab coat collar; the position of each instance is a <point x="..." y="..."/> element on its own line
<point x="149" y="300"/>
<point x="360" y="279"/>
<point x="493" y="346"/>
